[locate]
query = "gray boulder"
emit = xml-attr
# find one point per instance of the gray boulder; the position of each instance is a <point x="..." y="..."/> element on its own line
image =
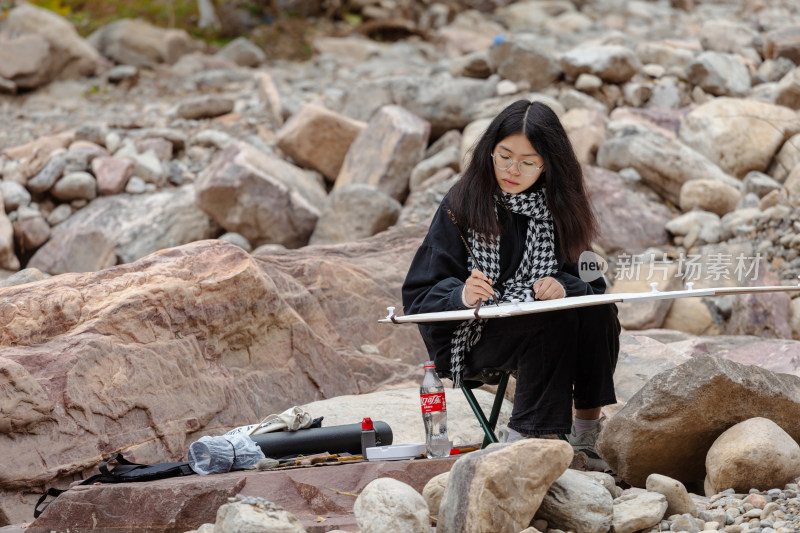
<point x="71" y="56"/>
<point x="386" y="151"/>
<point x="353" y="212"/>
<point x="787" y="158"/>
<point x="577" y="502"/>
<point x="664" y="54"/>
<point x="663" y="163"/>
<point x="243" y="52"/>
<point x="628" y="220"/>
<point x="727" y="36"/>
<point x="445" y="102"/>
<point x="787" y="93"/>
<point x="139" y="43"/>
<point x="738" y="135"/>
<point x="143" y="224"/>
<point x="79" y="249"/>
<point x="783" y="41"/>
<point x="523" y="58"/>
<point x="760" y="184"/>
<point x="501" y="487"/>
<point x="450" y="157"/>
<point x="670" y="424"/>
<point x="25" y="60"/>
<point x="703" y="226"/>
<point x="719" y="74"/>
<point x="264" y="198"/>
<point x="612" y="63"/>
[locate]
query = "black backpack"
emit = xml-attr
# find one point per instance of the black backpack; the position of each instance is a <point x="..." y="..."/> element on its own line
<point x="124" y="472"/>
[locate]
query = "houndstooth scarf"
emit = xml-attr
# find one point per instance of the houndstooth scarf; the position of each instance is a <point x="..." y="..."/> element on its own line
<point x="538" y="261"/>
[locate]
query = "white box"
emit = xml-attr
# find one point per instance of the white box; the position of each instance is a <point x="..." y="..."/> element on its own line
<point x="395" y="452"/>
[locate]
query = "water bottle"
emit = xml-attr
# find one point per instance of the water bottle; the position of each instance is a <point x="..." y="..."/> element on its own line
<point x="434" y="413"/>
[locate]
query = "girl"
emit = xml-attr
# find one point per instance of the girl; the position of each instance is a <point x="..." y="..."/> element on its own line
<point x="518" y="219"/>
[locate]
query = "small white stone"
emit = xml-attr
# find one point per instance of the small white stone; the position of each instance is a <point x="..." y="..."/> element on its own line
<point x="506" y="87"/>
<point x="237" y="239"/>
<point x="678" y="499"/>
<point x="28" y="211"/>
<point x="75" y="186"/>
<point x="588" y="82"/>
<point x="634" y="512"/>
<point x="136" y="185"/>
<point x="653" y="70"/>
<point x="215" y="138"/>
<point x="58" y="215"/>
<point x="14" y="195"/>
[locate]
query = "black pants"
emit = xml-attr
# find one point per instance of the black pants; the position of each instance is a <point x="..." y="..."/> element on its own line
<point x="559" y="357"/>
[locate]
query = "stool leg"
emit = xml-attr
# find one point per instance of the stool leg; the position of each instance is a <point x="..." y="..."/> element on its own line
<point x="476" y="408"/>
<point x="498" y="403"/>
<point x="498" y="400"/>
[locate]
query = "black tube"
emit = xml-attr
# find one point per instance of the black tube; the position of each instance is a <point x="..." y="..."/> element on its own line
<point x="333" y="439"/>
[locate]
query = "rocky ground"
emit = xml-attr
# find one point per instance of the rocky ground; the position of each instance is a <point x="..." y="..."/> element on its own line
<point x="124" y="155"/>
<point x="650" y="112"/>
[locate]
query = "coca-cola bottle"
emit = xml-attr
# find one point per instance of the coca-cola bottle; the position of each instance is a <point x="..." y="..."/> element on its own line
<point x="434" y="413"/>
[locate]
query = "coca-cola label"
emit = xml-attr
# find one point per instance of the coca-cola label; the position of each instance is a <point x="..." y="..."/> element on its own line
<point x="432" y="402"/>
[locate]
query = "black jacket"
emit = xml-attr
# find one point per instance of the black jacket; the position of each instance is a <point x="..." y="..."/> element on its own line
<point x="437" y="274"/>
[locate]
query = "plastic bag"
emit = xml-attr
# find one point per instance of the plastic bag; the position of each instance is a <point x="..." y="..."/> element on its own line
<point x="293" y="419"/>
<point x="216" y="455"/>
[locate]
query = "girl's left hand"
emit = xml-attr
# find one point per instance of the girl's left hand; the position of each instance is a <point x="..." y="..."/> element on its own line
<point x="548" y="289"/>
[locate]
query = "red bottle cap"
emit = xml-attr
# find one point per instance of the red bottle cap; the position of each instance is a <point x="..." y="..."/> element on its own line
<point x="366" y="424"/>
<point x="430" y="364"/>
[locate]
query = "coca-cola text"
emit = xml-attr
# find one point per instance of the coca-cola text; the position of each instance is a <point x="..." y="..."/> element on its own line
<point x="432" y="402"/>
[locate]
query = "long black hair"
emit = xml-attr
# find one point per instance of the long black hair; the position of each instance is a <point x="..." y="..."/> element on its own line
<point x="472" y="197"/>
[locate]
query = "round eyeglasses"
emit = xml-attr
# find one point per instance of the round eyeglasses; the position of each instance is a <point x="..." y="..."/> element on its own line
<point x="525" y="167"/>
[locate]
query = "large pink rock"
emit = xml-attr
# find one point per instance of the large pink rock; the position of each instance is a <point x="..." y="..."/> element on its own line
<point x="350" y="299"/>
<point x="147" y="357"/>
<point x="181" y="504"/>
<point x="628" y="220"/>
<point x="319" y="138"/>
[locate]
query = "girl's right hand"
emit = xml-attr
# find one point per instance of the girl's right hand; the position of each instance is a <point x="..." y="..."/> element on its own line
<point x="478" y="287"/>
